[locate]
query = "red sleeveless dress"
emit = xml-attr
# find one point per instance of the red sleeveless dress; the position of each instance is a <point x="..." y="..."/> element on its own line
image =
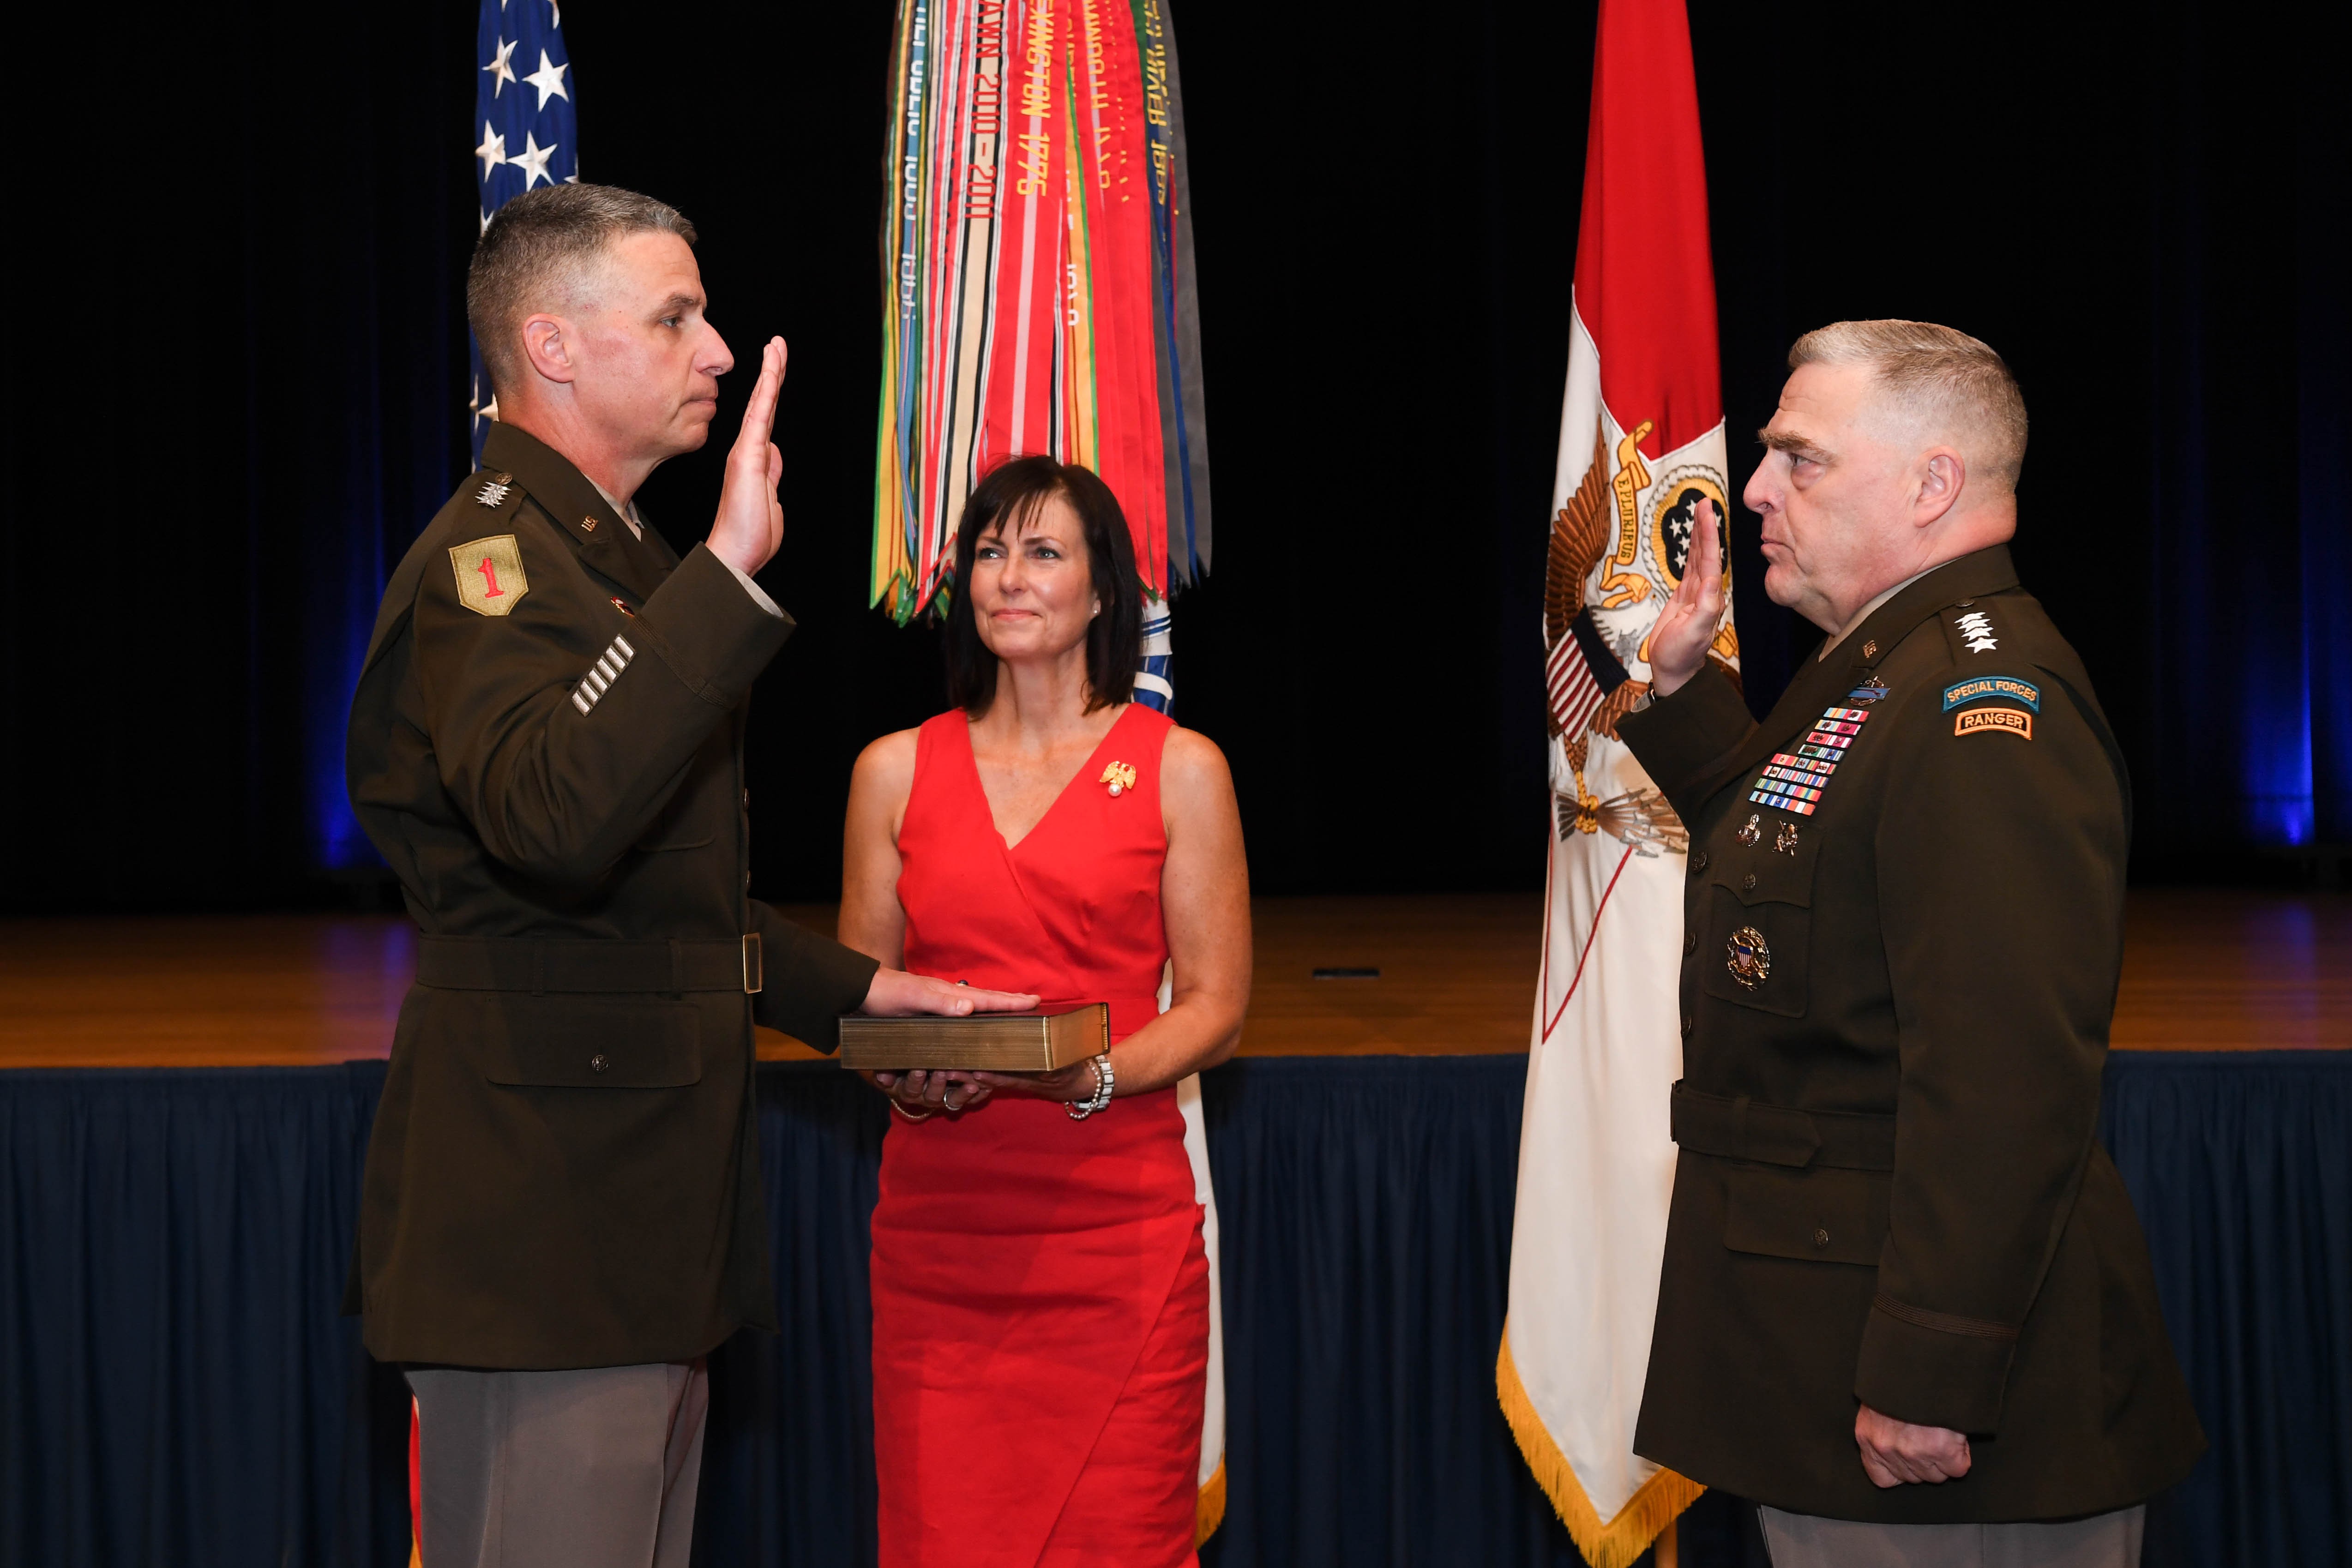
<point x="1041" y="1292"/>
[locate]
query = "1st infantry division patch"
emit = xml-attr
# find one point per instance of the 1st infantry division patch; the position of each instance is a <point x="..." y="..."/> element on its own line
<point x="490" y="574"/>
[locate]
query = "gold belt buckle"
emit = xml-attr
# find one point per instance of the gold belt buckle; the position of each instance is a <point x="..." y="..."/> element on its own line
<point x="753" y="975"/>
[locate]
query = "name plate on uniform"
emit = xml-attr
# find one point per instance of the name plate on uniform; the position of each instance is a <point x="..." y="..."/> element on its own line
<point x="983" y="1042"/>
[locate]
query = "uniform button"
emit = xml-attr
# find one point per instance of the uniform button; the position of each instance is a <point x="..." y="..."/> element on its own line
<point x="1821" y="1238"/>
<point x="1687" y="1028"/>
<point x="1747" y="882"/>
<point x="1690" y="941"/>
<point x="747" y="800"/>
<point x="1698" y="861"/>
<point x="598" y="1062"/>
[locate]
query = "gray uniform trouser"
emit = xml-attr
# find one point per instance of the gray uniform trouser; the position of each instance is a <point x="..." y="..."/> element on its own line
<point x="595" y="1469"/>
<point x="1807" y="1540"/>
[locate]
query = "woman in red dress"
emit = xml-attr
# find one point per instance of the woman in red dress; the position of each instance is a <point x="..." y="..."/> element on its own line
<point x="1040" y="1294"/>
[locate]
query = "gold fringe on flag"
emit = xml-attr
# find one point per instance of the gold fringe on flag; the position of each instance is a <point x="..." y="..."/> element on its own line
<point x="1618" y="1542"/>
<point x="1208" y="1508"/>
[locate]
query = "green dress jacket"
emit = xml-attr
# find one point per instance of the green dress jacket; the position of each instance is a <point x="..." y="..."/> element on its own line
<point x="546" y="746"/>
<point x="1904" y="925"/>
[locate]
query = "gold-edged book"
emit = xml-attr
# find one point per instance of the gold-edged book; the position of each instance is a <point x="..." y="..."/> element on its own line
<point x="983" y="1042"/>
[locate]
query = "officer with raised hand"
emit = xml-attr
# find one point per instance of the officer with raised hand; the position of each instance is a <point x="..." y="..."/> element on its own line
<point x="1906" y="1305"/>
<point x="561" y="1214"/>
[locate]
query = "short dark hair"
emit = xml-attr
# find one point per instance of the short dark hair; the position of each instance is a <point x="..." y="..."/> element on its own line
<point x="537" y="245"/>
<point x="1011" y="494"/>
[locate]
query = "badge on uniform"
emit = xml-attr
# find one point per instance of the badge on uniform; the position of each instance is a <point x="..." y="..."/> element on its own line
<point x="1793" y="780"/>
<point x="2006" y="687"/>
<point x="493" y="493"/>
<point x="2014" y="721"/>
<point x="490" y="574"/>
<point x="1748" y="958"/>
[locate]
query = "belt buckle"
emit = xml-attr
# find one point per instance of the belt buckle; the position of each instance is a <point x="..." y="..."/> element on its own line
<point x="753" y="974"/>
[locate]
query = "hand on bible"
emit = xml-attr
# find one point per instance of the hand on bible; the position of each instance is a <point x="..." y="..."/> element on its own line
<point x="1896" y="1452"/>
<point x="751" y="521"/>
<point x="1685" y="627"/>
<point x="897" y="994"/>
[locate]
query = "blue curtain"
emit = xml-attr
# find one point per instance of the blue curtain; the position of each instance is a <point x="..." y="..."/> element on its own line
<point x="175" y="1386"/>
<point x="2241" y="1165"/>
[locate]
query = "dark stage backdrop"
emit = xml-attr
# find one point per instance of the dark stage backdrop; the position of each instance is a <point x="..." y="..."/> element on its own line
<point x="236" y="389"/>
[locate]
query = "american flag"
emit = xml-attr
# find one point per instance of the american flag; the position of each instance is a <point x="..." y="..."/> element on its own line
<point x="523" y="100"/>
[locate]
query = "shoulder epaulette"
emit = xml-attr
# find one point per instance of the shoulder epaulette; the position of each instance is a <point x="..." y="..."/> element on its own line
<point x="492" y="491"/>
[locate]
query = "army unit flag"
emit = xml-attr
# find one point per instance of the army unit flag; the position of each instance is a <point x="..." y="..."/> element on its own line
<point x="1038" y="295"/>
<point x="1640" y="445"/>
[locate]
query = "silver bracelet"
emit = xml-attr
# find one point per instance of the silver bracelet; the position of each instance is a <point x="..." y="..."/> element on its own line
<point x="1106" y="1079"/>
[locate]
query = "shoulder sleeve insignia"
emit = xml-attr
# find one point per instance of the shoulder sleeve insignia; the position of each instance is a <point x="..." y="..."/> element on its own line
<point x="1994" y="721"/>
<point x="2006" y="687"/>
<point x="490" y="574"/>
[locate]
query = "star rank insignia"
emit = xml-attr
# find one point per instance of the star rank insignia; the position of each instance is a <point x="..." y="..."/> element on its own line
<point x="493" y="493"/>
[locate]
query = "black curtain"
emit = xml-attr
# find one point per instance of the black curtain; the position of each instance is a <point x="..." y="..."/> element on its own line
<point x="251" y="393"/>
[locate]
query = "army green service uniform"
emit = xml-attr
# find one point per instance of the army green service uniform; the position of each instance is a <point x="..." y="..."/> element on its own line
<point x="547" y="746"/>
<point x="1904" y="924"/>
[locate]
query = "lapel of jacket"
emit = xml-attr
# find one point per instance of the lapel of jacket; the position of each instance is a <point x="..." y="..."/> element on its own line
<point x="1822" y="682"/>
<point x="580" y="514"/>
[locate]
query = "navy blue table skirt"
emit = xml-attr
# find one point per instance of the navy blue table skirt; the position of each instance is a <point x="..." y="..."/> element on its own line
<point x="176" y="1388"/>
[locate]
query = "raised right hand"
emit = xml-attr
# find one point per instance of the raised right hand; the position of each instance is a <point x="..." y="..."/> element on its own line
<point x="1685" y="627"/>
<point x="751" y="521"/>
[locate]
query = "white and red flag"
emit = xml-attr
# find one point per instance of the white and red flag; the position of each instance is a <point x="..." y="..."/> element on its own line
<point x="1640" y="445"/>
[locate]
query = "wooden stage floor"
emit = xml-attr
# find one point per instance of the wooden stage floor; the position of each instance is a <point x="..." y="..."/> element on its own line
<point x="2203" y="970"/>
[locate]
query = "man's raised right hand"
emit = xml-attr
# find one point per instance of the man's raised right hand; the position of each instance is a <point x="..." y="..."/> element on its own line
<point x="750" y="522"/>
<point x="1685" y="627"/>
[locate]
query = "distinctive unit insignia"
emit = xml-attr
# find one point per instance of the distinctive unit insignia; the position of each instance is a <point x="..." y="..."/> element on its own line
<point x="1976" y="631"/>
<point x="490" y="574"/>
<point x="1994" y="720"/>
<point x="1753" y="831"/>
<point x="493" y="493"/>
<point x="1748" y="958"/>
<point x="623" y="606"/>
<point x="1119" y="776"/>
<point x="1785" y="840"/>
<point x="2015" y="690"/>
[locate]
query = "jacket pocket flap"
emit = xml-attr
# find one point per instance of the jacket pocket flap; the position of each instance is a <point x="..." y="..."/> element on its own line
<point x="617" y="1043"/>
<point x="1824" y="1215"/>
<point x="1777" y="869"/>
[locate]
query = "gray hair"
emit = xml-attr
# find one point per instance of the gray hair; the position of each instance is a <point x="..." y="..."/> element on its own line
<point x="541" y="244"/>
<point x="1943" y="381"/>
